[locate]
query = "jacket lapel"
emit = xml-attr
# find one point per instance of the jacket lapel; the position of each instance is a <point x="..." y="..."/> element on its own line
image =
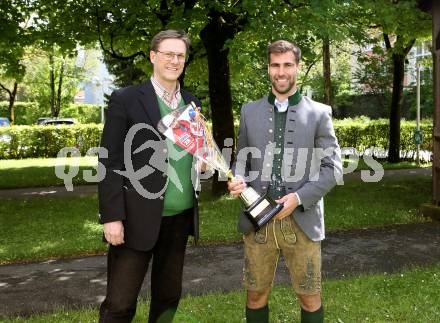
<point x="187" y="98"/>
<point x="149" y="102"/>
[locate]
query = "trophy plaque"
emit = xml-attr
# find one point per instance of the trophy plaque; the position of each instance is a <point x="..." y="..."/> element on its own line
<point x="187" y="128"/>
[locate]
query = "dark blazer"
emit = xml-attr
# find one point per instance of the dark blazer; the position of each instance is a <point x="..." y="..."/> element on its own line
<point x="118" y="199"/>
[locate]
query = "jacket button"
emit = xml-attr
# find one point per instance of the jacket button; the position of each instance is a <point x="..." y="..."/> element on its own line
<point x="164" y="174"/>
<point x="161" y="198"/>
<point x="270" y="130"/>
<point x="263" y="187"/>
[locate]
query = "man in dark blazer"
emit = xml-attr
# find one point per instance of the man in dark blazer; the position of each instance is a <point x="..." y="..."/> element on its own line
<point x="147" y="214"/>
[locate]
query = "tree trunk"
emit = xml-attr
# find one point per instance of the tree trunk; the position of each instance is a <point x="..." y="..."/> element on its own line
<point x="398" y="54"/>
<point x="12" y="96"/>
<point x="327" y="71"/>
<point x="214" y="36"/>
<point x="59" y="92"/>
<point x="52" y="85"/>
<point x="396" y="104"/>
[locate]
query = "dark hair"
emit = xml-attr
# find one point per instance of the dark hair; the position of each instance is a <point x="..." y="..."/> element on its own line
<point x="283" y="46"/>
<point x="167" y="34"/>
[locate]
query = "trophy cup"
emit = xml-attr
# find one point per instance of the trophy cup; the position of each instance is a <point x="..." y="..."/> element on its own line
<point x="187" y="128"/>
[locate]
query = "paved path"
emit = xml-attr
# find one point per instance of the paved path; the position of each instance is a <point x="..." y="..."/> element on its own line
<point x="81" y="190"/>
<point x="41" y="287"/>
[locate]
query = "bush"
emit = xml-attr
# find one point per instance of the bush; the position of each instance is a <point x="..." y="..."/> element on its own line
<point x="46" y="141"/>
<point x="27" y="113"/>
<point x="362" y="133"/>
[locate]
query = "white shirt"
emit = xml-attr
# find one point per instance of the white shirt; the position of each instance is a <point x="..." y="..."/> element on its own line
<point x="282" y="106"/>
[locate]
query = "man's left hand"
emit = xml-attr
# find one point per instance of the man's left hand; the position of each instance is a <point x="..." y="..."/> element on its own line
<point x="290" y="203"/>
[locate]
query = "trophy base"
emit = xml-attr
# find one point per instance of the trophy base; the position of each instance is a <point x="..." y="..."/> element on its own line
<point x="262" y="211"/>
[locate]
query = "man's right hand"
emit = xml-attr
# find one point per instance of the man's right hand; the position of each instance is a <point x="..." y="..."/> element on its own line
<point x="114" y="232"/>
<point x="236" y="186"/>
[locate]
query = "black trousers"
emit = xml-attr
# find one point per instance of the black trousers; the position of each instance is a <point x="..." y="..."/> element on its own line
<point x="126" y="269"/>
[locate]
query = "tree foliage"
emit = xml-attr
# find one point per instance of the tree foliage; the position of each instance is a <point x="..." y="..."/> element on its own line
<point x="15" y="35"/>
<point x="66" y="73"/>
<point x="374" y="75"/>
<point x="227" y="65"/>
<point x="398" y="24"/>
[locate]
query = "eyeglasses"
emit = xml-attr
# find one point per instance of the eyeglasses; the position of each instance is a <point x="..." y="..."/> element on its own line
<point x="169" y="56"/>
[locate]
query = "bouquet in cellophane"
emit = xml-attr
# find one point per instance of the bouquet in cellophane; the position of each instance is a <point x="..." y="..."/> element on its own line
<point x="187" y="128"/>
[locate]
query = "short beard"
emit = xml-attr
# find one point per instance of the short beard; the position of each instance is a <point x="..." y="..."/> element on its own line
<point x="287" y="90"/>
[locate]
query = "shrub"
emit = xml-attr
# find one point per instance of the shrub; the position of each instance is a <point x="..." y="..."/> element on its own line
<point x="47" y="141"/>
<point x="362" y="133"/>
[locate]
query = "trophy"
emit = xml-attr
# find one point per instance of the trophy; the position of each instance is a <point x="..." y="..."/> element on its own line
<point x="187" y="128"/>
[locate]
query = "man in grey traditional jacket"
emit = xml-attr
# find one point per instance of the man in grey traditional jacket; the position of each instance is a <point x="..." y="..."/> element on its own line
<point x="286" y="148"/>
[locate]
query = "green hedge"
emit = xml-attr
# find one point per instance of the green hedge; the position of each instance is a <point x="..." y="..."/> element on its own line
<point x="46" y="141"/>
<point x="362" y="133"/>
<point x="27" y="113"/>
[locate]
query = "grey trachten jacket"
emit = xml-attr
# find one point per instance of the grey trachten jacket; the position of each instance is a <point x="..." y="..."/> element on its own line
<point x="311" y="162"/>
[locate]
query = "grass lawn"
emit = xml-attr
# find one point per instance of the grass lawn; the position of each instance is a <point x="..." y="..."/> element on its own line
<point x="40" y="228"/>
<point x="43" y="227"/>
<point x="408" y="296"/>
<point x="353" y="205"/>
<point x="393" y="200"/>
<point x="40" y="172"/>
<point x="360" y="165"/>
